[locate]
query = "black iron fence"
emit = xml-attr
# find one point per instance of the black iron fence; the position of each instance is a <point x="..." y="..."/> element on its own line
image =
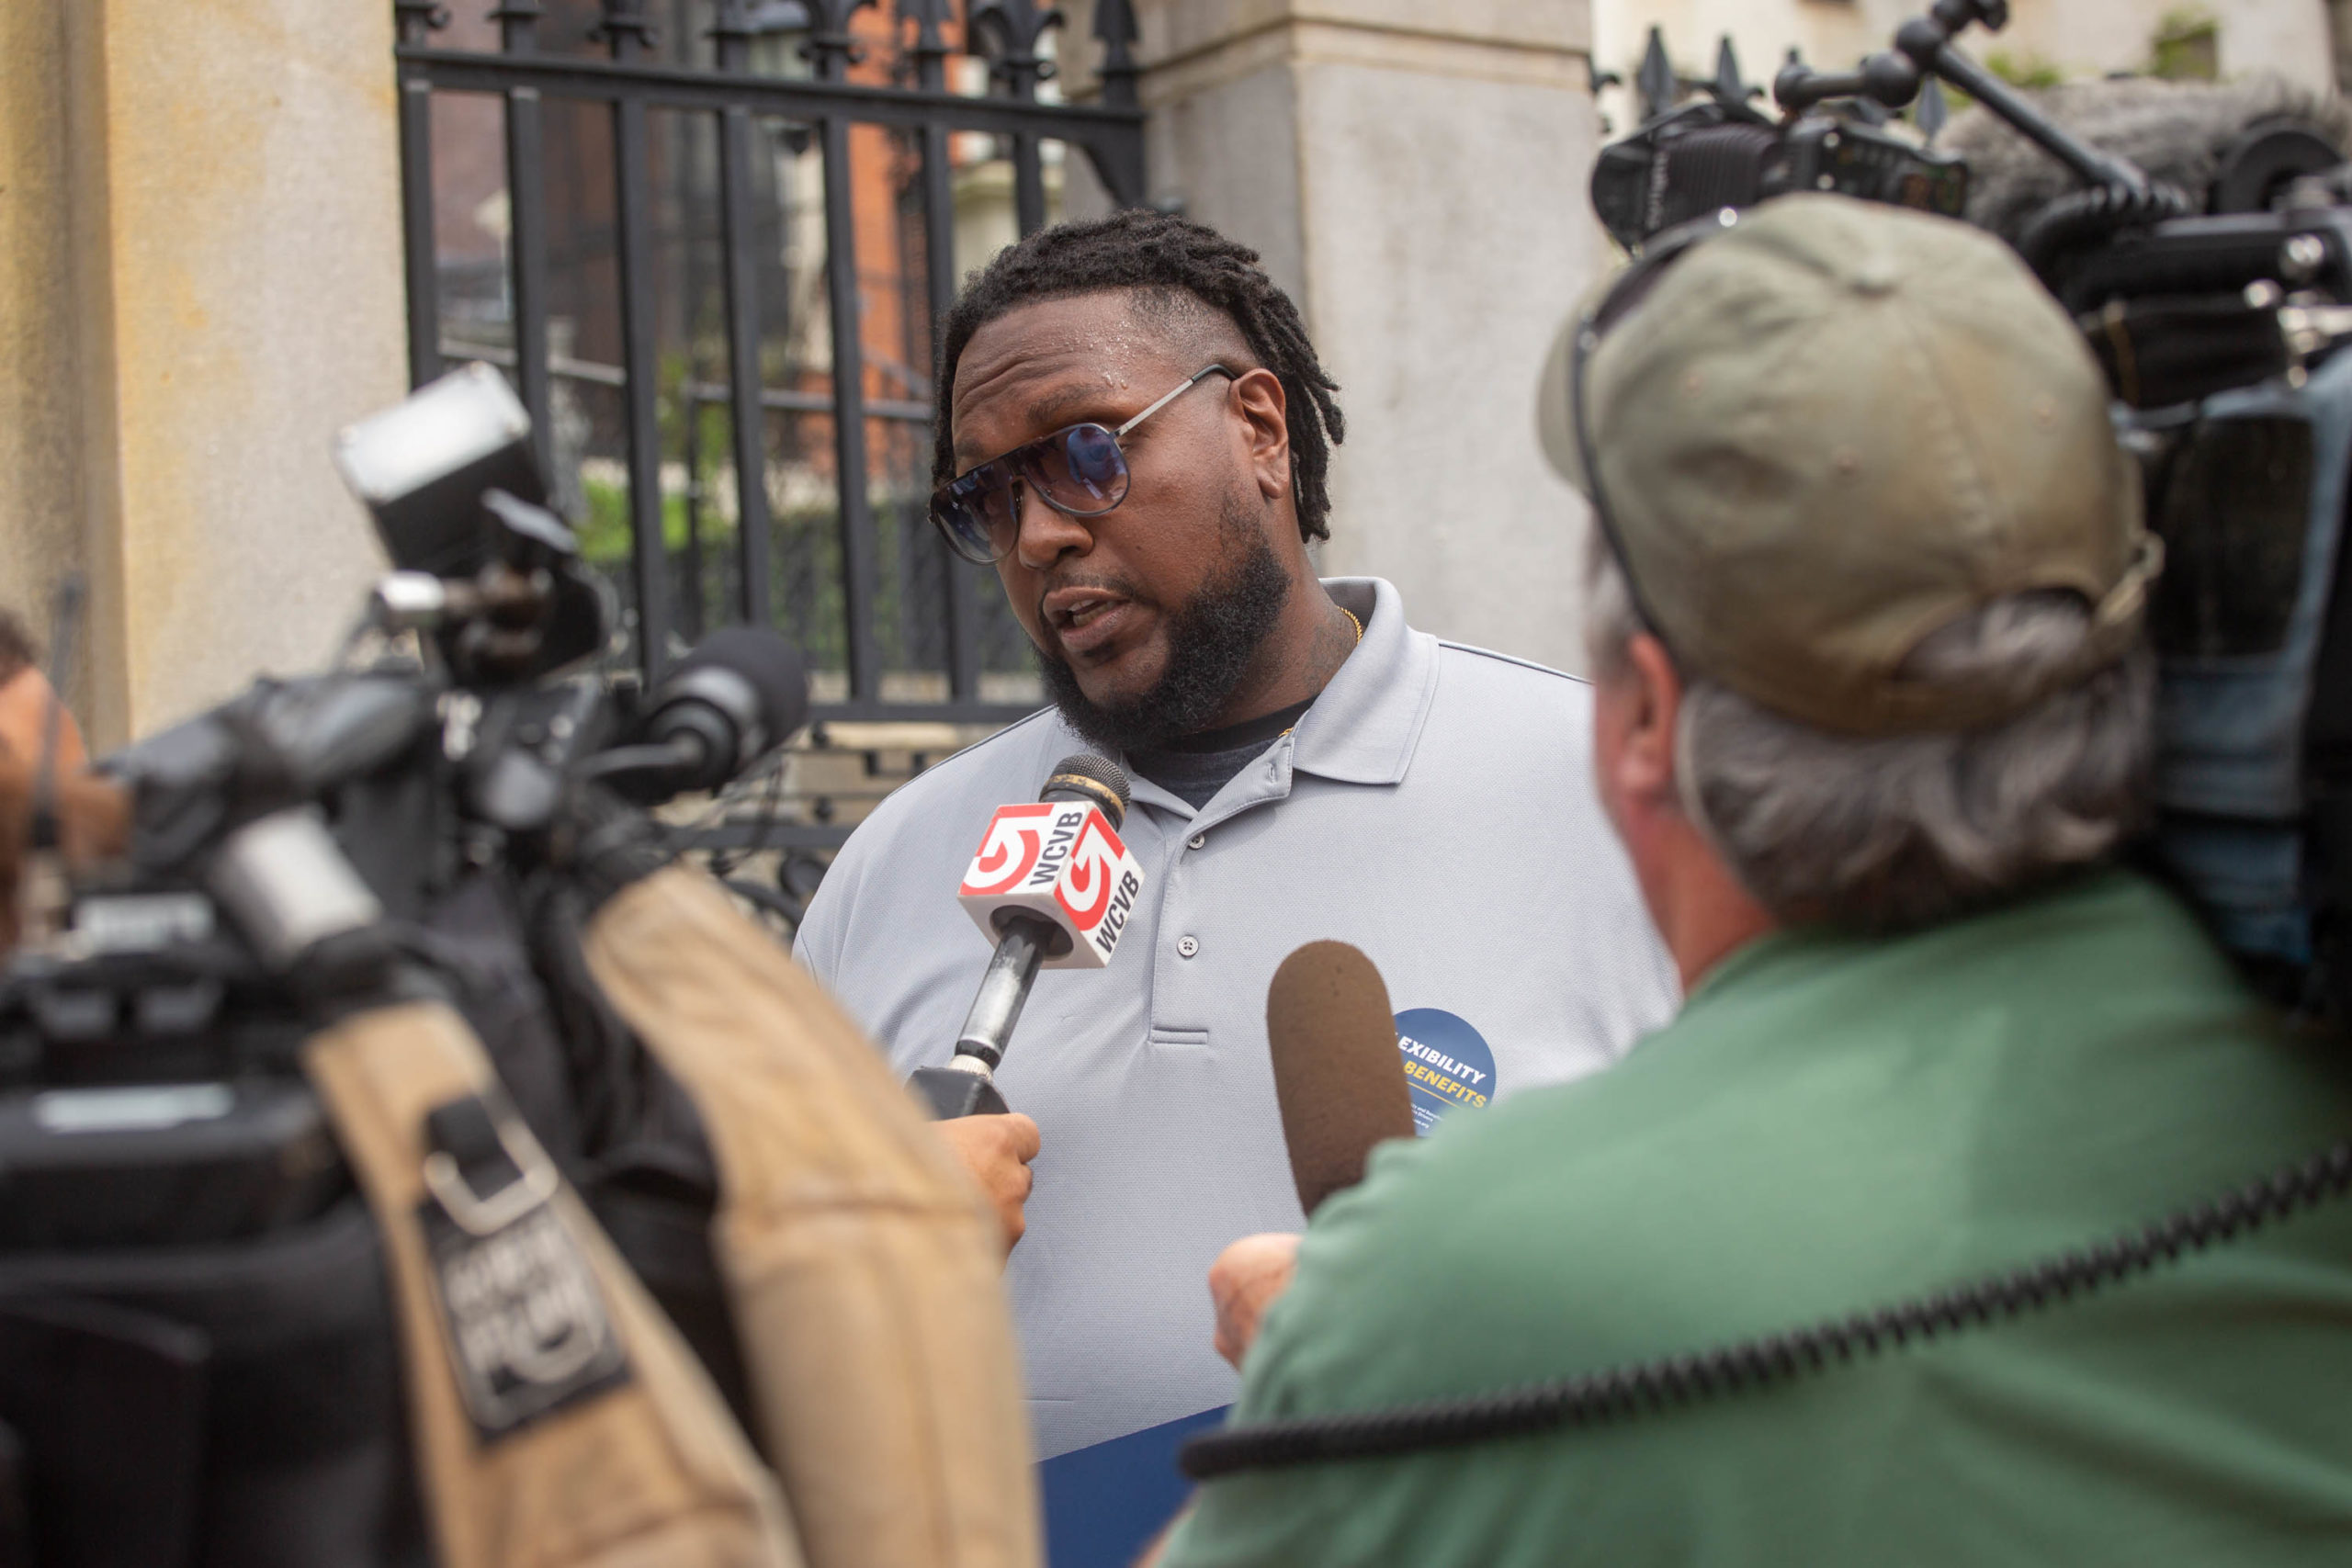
<point x="711" y="246"/>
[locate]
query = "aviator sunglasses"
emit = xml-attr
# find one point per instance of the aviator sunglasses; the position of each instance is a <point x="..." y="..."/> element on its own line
<point x="1078" y="470"/>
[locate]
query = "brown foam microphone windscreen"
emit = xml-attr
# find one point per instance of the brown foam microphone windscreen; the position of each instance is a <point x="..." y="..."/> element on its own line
<point x="1337" y="1077"/>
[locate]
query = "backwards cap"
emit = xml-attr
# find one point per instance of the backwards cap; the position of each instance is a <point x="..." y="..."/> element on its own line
<point x="1838" y="427"/>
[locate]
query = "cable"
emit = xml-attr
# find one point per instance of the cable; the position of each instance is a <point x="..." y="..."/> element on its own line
<point x="1597" y="1398"/>
<point x="766" y="815"/>
<point x="2068" y="223"/>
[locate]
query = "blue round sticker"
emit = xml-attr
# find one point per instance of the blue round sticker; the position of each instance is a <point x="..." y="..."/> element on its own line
<point x="1446" y="1063"/>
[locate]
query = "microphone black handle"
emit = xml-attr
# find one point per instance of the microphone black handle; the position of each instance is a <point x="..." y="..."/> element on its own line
<point x="1004" y="988"/>
<point x="951" y="1092"/>
<point x="968" y="1088"/>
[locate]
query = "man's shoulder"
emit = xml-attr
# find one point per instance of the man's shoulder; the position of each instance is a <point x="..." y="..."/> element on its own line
<point x="1486" y="663"/>
<point x="1834" y="1124"/>
<point x="1515" y="695"/>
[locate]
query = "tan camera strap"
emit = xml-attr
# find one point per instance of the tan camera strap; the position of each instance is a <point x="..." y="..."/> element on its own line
<point x="611" y="1449"/>
<point x="864" y="1270"/>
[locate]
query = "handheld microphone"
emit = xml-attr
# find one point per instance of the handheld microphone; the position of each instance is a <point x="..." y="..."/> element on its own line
<point x="1055" y="887"/>
<point x="739" y="694"/>
<point x="1338" y="1077"/>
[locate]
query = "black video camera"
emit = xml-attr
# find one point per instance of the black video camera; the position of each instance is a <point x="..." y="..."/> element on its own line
<point x="192" y="1295"/>
<point x="1699" y="158"/>
<point x="2219" y="324"/>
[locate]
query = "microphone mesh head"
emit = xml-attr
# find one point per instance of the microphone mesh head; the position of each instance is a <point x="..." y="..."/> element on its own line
<point x="1087" y="776"/>
<point x="772" y="667"/>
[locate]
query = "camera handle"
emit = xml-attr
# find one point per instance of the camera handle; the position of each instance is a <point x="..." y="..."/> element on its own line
<point x="1923" y="47"/>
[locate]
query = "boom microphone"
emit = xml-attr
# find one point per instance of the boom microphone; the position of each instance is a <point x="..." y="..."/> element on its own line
<point x="1054" y="884"/>
<point x="2232" y="146"/>
<point x="736" y="696"/>
<point x="1338" y="1078"/>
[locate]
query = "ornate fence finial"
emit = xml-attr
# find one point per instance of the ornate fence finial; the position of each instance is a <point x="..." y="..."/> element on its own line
<point x="1934" y="111"/>
<point x="626" y="29"/>
<point x="1655" y="81"/>
<point x="518" y="23"/>
<point x="931" y="49"/>
<point x="832" y="48"/>
<point x="732" y="33"/>
<point x="414" y="20"/>
<point x="1008" y="32"/>
<point x="1730" y="88"/>
<point x="1114" y="25"/>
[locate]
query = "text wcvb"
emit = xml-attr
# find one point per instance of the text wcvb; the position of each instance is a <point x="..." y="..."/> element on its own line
<point x="1063" y="864"/>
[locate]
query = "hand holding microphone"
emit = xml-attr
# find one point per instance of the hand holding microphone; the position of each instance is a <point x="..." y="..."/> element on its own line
<point x="1338" y="1077"/>
<point x="1247" y="1278"/>
<point x="1054" y="884"/>
<point x="1340" y="1084"/>
<point x="1055" y="887"/>
<point x="996" y="1150"/>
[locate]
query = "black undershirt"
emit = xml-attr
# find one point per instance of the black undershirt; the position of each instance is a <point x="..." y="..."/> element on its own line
<point x="1192" y="768"/>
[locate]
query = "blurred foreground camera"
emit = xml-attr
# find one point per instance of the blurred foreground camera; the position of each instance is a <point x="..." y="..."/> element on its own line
<point x="2220" y="320"/>
<point x="195" y="1298"/>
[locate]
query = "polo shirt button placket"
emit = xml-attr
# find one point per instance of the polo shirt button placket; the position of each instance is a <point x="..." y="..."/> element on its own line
<point x="1186" y="946"/>
<point x="1198" y="840"/>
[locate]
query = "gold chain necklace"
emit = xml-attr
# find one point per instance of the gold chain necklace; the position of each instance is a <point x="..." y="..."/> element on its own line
<point x="1352" y="621"/>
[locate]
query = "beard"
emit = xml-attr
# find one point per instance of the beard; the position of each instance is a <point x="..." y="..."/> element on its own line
<point x="1212" y="640"/>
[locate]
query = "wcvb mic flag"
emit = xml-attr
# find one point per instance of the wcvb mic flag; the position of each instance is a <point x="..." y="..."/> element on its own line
<point x="1062" y="861"/>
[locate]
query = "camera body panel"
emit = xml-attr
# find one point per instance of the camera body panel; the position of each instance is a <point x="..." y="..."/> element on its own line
<point x="1708" y="155"/>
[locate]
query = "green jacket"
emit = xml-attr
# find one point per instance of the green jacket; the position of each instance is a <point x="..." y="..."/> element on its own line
<point x="1836" y="1125"/>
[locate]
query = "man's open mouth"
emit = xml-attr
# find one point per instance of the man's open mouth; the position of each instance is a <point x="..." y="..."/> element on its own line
<point x="1083" y="620"/>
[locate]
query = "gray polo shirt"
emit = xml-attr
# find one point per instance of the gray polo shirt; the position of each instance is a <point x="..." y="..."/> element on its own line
<point x="1434" y="808"/>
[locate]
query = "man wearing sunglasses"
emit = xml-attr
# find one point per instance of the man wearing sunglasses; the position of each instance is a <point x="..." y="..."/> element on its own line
<point x="1135" y="433"/>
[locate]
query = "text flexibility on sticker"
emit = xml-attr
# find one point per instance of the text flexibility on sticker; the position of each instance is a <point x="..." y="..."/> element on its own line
<point x="1448" y="1064"/>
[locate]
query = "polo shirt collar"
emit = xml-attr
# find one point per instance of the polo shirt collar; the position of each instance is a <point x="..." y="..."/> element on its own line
<point x="1363" y="728"/>
<point x="1365" y="724"/>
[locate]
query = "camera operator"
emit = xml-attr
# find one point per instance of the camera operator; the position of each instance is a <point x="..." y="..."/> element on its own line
<point x="25" y="700"/>
<point x="1925" y="1233"/>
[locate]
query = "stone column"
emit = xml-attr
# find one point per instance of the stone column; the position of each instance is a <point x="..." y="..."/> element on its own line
<point x="1415" y="174"/>
<point x="40" y="480"/>
<point x="199" y="283"/>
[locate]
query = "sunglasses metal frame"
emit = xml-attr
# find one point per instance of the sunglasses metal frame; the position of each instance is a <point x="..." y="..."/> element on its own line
<point x="1007" y="470"/>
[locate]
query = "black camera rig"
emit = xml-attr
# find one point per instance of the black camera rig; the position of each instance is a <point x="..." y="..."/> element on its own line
<point x="2217" y="321"/>
<point x="1705" y="156"/>
<point x="181" y="1234"/>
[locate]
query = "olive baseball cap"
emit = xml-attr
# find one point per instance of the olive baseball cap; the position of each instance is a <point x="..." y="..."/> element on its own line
<point x="1836" y="428"/>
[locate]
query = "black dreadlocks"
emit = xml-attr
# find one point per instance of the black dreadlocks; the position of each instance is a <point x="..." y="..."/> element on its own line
<point x="1157" y="252"/>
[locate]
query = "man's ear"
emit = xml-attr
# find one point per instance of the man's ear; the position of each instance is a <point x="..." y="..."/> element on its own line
<point x="1651" y="705"/>
<point x="1259" y="395"/>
